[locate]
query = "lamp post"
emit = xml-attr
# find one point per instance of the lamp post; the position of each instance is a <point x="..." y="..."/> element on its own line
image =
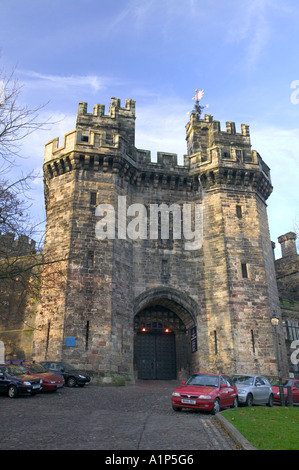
<point x="275" y="322"/>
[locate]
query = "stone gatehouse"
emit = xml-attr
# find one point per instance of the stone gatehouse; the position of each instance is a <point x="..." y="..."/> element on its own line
<point x="130" y="298"/>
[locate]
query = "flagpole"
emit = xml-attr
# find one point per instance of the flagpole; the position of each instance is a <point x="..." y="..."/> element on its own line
<point x="197" y="107"/>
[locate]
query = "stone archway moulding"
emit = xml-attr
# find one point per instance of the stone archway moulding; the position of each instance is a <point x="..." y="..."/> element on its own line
<point x="182" y="304"/>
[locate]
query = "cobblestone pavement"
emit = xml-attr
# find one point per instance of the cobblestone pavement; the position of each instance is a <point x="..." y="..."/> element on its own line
<point x="134" y="417"/>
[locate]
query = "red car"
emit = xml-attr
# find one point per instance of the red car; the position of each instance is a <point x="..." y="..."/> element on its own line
<point x="293" y="383"/>
<point x="51" y="382"/>
<point x="208" y="392"/>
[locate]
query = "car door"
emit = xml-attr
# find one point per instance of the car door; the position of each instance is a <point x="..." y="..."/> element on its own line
<point x="224" y="392"/>
<point x="261" y="391"/>
<point x="3" y="382"/>
<point x="295" y="391"/>
<point x="231" y="392"/>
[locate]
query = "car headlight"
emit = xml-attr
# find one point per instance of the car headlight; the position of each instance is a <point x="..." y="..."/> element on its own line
<point x="205" y="397"/>
<point x="82" y="376"/>
<point x="41" y="381"/>
<point x="176" y="394"/>
<point x="27" y="383"/>
<point x="241" y="392"/>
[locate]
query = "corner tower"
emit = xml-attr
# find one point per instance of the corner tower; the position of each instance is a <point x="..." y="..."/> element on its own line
<point x="239" y="276"/>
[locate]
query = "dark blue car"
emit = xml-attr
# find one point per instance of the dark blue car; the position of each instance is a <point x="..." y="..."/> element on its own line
<point x="14" y="382"/>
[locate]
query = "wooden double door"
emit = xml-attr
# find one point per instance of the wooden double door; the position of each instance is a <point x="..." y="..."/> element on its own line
<point x="155" y="355"/>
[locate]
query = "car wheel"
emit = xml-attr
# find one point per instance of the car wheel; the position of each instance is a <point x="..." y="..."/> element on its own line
<point x="235" y="403"/>
<point x="249" y="400"/>
<point x="176" y="408"/>
<point x="12" y="391"/>
<point x="270" y="401"/>
<point x="216" y="407"/>
<point x="71" y="382"/>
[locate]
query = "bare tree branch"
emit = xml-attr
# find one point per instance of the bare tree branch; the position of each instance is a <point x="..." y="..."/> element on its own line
<point x="16" y="121"/>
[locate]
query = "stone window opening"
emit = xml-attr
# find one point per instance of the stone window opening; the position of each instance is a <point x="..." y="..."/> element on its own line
<point x="90" y="259"/>
<point x="244" y="270"/>
<point x="252" y="341"/>
<point x="48" y="338"/>
<point x="93" y="198"/>
<point x="86" y="335"/>
<point x="239" y="211"/>
<point x="215" y="342"/>
<point x="165" y="270"/>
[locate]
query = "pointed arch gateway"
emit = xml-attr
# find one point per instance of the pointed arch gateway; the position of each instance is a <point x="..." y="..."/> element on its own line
<point x="165" y="320"/>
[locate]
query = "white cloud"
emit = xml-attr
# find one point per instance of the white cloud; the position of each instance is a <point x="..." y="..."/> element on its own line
<point x="35" y="79"/>
<point x="250" y="25"/>
<point x="279" y="149"/>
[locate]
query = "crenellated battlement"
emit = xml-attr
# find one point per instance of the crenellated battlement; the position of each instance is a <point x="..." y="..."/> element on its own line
<point x="106" y="143"/>
<point x="215" y="126"/>
<point x="203" y="134"/>
<point x="12" y="246"/>
<point x="115" y="110"/>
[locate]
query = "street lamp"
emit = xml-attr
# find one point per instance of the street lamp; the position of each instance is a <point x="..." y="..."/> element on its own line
<point x="275" y="322"/>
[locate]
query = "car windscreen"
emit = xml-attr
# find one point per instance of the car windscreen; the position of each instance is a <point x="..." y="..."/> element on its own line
<point x="36" y="368"/>
<point x="14" y="370"/>
<point x="243" y="379"/>
<point x="285" y="383"/>
<point x="203" y="380"/>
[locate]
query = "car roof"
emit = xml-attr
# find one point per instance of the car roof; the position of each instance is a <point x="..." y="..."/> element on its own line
<point x="52" y="362"/>
<point x="247" y="375"/>
<point x="206" y="373"/>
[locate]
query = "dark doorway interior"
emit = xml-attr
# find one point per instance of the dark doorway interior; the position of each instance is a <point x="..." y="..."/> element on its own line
<point x="156" y="329"/>
<point x="155" y="353"/>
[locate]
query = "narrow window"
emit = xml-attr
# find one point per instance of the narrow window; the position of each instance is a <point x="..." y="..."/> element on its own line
<point x="165" y="270"/>
<point x="48" y="338"/>
<point x="252" y="341"/>
<point x="244" y="270"/>
<point x="239" y="212"/>
<point x="215" y="342"/>
<point x="90" y="259"/>
<point x="84" y="138"/>
<point x="93" y="198"/>
<point x="86" y="335"/>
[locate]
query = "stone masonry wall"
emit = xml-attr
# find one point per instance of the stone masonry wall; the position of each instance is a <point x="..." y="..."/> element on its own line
<point x="225" y="287"/>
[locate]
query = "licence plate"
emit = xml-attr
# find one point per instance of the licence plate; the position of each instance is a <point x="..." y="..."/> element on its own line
<point x="188" y="402"/>
<point x="35" y="386"/>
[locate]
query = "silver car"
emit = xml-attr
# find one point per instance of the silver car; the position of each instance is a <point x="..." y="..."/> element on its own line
<point x="253" y="390"/>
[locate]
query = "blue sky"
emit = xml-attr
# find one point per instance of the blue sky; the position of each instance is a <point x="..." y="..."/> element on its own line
<point x="243" y="53"/>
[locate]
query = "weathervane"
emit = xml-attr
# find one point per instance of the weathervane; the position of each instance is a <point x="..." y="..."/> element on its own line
<point x="197" y="107"/>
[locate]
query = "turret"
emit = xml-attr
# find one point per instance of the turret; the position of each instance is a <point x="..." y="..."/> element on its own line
<point x="225" y="157"/>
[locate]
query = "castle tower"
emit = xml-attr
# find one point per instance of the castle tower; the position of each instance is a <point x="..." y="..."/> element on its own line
<point x="131" y="294"/>
<point x="239" y="276"/>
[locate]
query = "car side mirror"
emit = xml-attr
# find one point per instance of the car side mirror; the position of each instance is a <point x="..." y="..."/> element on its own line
<point x="223" y="385"/>
<point x="183" y="382"/>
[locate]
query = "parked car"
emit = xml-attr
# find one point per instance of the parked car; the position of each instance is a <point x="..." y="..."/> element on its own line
<point x="208" y="392"/>
<point x="253" y="389"/>
<point x="51" y="382"/>
<point x="293" y="383"/>
<point x="71" y="375"/>
<point x="14" y="382"/>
